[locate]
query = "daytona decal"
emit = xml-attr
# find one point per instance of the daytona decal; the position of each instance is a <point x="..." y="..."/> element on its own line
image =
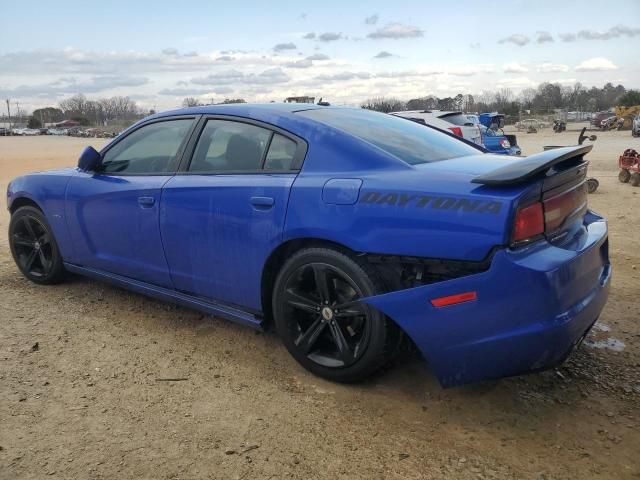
<point x="440" y="203"/>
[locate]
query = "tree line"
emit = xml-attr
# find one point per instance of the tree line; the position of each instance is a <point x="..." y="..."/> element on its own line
<point x="544" y="99"/>
<point x="104" y="111"/>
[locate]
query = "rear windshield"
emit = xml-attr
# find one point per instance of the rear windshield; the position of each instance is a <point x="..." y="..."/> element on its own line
<point x="401" y="137"/>
<point x="457" y="119"/>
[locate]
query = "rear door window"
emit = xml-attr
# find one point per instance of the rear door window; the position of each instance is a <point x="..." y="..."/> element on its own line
<point x="281" y="154"/>
<point x="227" y="146"/>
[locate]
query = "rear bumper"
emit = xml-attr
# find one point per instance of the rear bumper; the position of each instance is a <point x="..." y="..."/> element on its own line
<point x="533" y="306"/>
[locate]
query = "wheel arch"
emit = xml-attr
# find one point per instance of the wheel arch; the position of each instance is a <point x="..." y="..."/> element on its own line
<point x="23" y="201"/>
<point x="277" y="258"/>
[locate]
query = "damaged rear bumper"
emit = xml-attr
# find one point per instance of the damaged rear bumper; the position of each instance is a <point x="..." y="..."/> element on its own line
<point x="532" y="307"/>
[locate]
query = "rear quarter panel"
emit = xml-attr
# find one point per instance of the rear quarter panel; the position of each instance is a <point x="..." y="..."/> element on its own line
<point x="410" y="212"/>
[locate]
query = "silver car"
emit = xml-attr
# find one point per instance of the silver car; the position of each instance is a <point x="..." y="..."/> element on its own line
<point x="635" y="126"/>
<point x="456" y="122"/>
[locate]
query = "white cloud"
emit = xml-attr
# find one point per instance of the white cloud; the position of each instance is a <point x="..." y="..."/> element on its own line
<point x="67" y="85"/>
<point x="329" y="37"/>
<point x="318" y="56"/>
<point x="516" y="82"/>
<point x="236" y="77"/>
<point x="383" y="54"/>
<point x="396" y="31"/>
<point x="598" y="64"/>
<point x="372" y="20"/>
<point x="514" y="67"/>
<point x="552" y="67"/>
<point x="543" y="37"/>
<point x="343" y="76"/>
<point x="517" y="39"/>
<point x="306" y="63"/>
<point x="564" y="81"/>
<point x="284" y="46"/>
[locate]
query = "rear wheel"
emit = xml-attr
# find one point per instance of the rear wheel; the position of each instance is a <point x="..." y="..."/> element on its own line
<point x="34" y="247"/>
<point x="624" y="176"/>
<point x="635" y="179"/>
<point x="321" y="321"/>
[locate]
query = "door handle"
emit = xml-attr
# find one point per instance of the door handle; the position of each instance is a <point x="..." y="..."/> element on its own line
<point x="146" y="202"/>
<point x="262" y="203"/>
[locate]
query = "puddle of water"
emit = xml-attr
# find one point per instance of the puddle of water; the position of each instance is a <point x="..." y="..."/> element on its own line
<point x="610" y="343"/>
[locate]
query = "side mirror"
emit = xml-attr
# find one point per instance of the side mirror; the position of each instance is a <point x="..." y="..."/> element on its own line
<point x="89" y="160"/>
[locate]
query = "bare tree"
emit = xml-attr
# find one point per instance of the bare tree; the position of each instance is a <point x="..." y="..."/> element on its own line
<point x="384" y="104"/>
<point x="190" y="102"/>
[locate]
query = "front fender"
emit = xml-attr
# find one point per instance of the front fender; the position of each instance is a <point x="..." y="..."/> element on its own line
<point x="47" y="190"/>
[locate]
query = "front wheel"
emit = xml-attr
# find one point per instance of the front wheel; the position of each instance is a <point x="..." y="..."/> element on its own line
<point x="34" y="247"/>
<point x="635" y="179"/>
<point x="323" y="324"/>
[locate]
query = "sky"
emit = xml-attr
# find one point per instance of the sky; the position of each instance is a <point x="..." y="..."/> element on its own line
<point x="158" y="52"/>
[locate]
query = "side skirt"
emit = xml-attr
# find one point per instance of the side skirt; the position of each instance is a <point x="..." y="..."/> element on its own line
<point x="212" y="308"/>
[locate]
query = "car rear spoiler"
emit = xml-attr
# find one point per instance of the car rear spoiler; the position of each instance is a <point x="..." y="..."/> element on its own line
<point x="529" y="167"/>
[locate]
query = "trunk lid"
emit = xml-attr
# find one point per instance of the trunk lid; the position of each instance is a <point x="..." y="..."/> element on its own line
<point x="562" y="199"/>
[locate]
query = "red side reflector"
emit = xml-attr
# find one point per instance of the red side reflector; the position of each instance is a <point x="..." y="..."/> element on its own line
<point x="453" y="299"/>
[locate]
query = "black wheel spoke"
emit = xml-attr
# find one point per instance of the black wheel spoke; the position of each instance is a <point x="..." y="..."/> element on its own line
<point x="300" y="301"/>
<point x="29" y="228"/>
<point x="321" y="276"/>
<point x="18" y="240"/>
<point x="326" y="322"/>
<point x="44" y="239"/>
<point x="30" y="259"/>
<point x="349" y="309"/>
<point x="43" y="260"/>
<point x="308" y="339"/>
<point x="344" y="351"/>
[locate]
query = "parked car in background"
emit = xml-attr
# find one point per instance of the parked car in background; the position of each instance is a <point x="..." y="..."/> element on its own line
<point x="635" y="126"/>
<point x="57" y="131"/>
<point x="341" y="228"/>
<point x="456" y="122"/>
<point x="4" y="131"/>
<point x="493" y="137"/>
<point x="597" y="118"/>
<point x="531" y="124"/>
<point x="25" y="131"/>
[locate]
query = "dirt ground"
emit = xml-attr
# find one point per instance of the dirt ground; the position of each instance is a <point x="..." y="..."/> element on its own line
<point x="89" y="401"/>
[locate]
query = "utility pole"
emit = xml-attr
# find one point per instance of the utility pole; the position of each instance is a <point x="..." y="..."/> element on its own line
<point x="9" y="112"/>
<point x="17" y="111"/>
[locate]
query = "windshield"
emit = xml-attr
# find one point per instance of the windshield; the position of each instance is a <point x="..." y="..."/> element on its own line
<point x="402" y="138"/>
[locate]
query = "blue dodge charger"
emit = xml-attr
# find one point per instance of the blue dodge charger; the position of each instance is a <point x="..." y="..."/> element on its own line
<point x="345" y="230"/>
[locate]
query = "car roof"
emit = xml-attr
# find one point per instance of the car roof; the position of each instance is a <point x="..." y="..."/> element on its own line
<point x="243" y="109"/>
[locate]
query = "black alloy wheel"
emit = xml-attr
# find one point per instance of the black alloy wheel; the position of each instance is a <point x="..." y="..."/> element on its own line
<point x="33" y="246"/>
<point x="321" y="320"/>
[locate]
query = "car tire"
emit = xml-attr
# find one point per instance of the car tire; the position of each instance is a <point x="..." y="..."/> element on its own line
<point x="320" y="321"/>
<point x="624" y="175"/>
<point x="635" y="179"/>
<point x="34" y="247"/>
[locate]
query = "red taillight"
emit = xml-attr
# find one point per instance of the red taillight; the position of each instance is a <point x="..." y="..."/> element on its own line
<point x="529" y="222"/>
<point x="456" y="131"/>
<point x="454" y="299"/>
